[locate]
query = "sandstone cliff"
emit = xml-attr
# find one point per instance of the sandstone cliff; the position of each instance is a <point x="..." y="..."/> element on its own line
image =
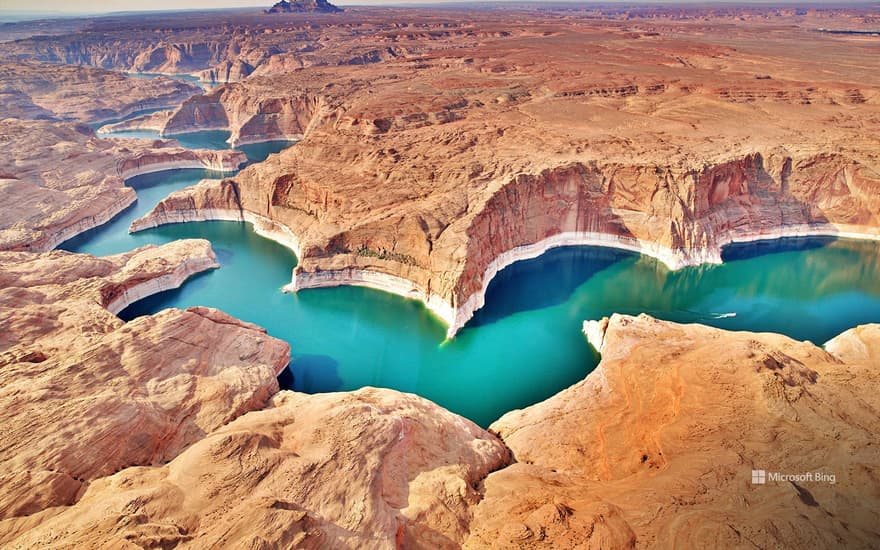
<point x="427" y="180"/>
<point x="250" y="117"/>
<point x="655" y="448"/>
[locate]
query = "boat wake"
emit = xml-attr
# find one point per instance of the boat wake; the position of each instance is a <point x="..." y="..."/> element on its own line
<point x="723" y="315"/>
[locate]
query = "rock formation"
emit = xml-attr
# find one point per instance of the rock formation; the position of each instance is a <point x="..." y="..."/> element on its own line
<point x="65" y="180"/>
<point x="654" y="448"/>
<point x="426" y="174"/>
<point x="356" y="470"/>
<point x="270" y="114"/>
<point x="83" y="94"/>
<point x="85" y="395"/>
<point x="434" y="152"/>
<point x="152" y="121"/>
<point x="300" y="6"/>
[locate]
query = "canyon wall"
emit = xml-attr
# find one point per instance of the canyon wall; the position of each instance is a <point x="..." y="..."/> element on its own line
<point x="433" y="153"/>
<point x="250" y="117"/>
<point x="682" y="216"/>
<point x="426" y="171"/>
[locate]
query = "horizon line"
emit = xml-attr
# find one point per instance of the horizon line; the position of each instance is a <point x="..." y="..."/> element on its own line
<point x="430" y="3"/>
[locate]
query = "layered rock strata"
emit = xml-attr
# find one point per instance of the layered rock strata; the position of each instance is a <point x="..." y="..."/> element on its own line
<point x="351" y="470"/>
<point x="85" y="395"/>
<point x="444" y="244"/>
<point x="65" y="180"/>
<point x="152" y="121"/>
<point x="250" y="117"/>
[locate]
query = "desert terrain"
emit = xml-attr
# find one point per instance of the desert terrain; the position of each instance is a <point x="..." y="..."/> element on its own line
<point x="434" y="148"/>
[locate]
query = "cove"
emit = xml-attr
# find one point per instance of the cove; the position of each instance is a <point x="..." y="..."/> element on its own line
<point x="525" y="344"/>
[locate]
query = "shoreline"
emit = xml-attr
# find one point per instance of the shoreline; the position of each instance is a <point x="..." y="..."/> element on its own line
<point x="105" y="216"/>
<point x="261" y="225"/>
<point x="377" y="281"/>
<point x="189" y="164"/>
<point x="457" y="318"/>
<point x="291" y="138"/>
<point x="132" y="113"/>
<point x="165" y="134"/>
<point x="477" y="300"/>
<point x="672" y="259"/>
<point x="169" y="281"/>
<point x="90" y="222"/>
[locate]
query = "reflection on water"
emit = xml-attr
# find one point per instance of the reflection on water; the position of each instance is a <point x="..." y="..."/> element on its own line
<point x="113" y="237"/>
<point x="556" y="277"/>
<point x="745" y="251"/>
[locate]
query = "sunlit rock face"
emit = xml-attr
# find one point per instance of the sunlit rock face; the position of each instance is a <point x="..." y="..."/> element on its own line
<point x="656" y="447"/>
<point x="66" y="180"/>
<point x="523" y="145"/>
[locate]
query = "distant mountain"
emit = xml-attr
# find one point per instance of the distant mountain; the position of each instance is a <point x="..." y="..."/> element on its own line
<point x="296" y="6"/>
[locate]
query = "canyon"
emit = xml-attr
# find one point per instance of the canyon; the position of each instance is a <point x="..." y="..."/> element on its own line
<point x="434" y="148"/>
<point x="696" y="145"/>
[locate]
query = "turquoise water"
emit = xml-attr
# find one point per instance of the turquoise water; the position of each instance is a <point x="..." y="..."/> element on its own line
<point x="113" y="237"/>
<point x="182" y="77"/>
<point x="214" y="139"/>
<point x="133" y="114"/>
<point x="526" y="344"/>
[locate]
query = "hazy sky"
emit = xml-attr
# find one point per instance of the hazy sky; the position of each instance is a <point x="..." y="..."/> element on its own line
<point x="93" y="6"/>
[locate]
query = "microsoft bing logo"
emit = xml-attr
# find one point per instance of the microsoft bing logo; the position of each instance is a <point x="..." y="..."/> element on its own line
<point x="759" y="477"/>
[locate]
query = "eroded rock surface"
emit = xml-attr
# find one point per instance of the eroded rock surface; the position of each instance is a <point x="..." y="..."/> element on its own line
<point x="65" y="180"/>
<point x="33" y="90"/>
<point x="367" y="469"/>
<point x="84" y="395"/>
<point x="303" y="6"/>
<point x="656" y="447"/>
<point x="427" y="171"/>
